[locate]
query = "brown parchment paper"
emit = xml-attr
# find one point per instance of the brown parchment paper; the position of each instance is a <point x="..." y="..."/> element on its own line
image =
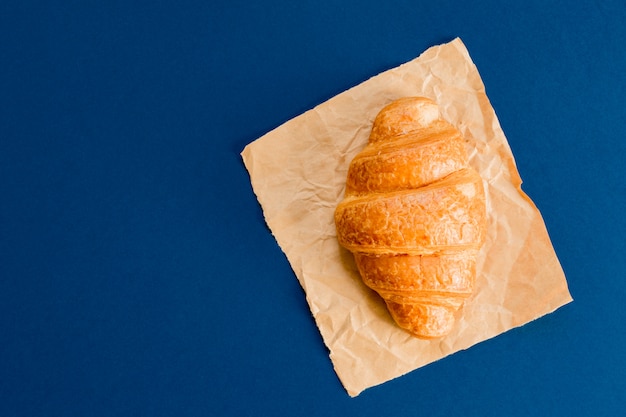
<point x="298" y="173"/>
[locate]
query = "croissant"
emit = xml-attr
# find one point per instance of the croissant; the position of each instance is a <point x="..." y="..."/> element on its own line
<point x="414" y="216"/>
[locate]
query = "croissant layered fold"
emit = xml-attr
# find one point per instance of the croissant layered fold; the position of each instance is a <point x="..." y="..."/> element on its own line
<point x="414" y="216"/>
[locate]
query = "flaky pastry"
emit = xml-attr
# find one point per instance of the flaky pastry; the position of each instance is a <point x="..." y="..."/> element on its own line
<point x="414" y="216"/>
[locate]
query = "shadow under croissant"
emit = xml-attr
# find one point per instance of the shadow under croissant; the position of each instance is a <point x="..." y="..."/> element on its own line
<point x="374" y="300"/>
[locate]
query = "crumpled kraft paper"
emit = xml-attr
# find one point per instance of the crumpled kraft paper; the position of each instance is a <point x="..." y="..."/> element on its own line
<point x="298" y="172"/>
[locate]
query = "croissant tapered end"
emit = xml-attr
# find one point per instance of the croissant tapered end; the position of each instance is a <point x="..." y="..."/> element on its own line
<point x="422" y="292"/>
<point x="403" y="116"/>
<point x="426" y="321"/>
<point x="414" y="216"/>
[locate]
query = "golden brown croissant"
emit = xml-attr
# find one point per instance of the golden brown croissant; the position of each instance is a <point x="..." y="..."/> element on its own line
<point x="414" y="216"/>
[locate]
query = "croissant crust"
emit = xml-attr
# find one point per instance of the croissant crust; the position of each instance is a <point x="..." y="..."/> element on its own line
<point x="414" y="216"/>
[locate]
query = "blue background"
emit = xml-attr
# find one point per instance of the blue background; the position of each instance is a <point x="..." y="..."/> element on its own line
<point x="137" y="275"/>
